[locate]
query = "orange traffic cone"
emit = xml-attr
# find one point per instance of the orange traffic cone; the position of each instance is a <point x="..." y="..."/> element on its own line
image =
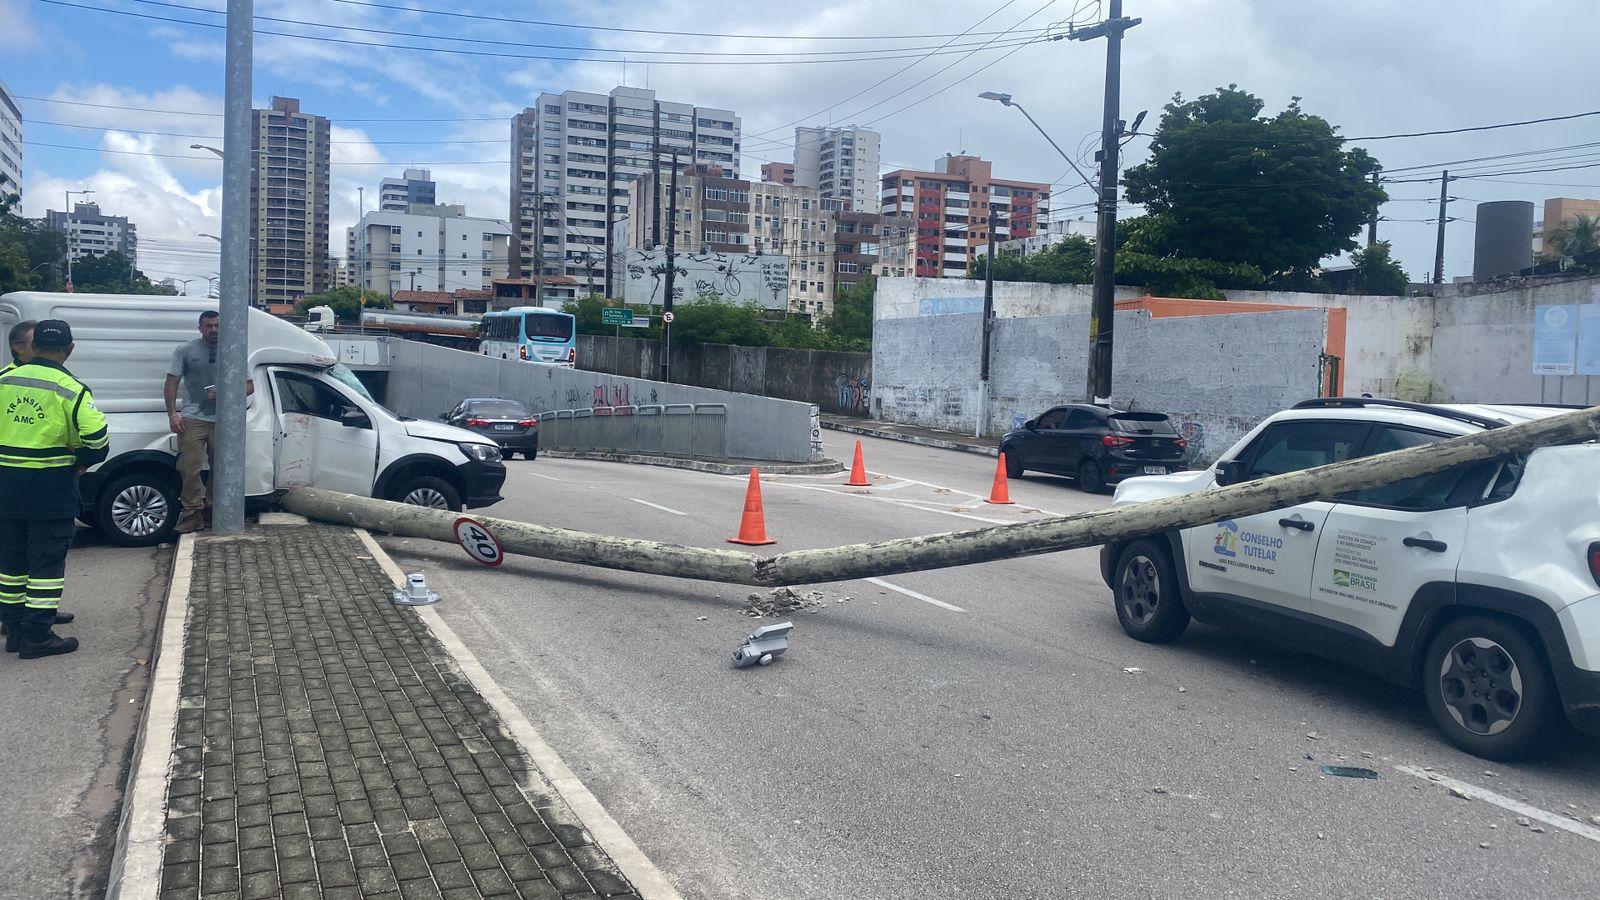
<point x="753" y="525"/>
<point x="858" y="471"/>
<point x="999" y="493"/>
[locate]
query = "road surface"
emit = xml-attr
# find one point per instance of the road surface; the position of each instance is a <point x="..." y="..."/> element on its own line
<point x="975" y="732"/>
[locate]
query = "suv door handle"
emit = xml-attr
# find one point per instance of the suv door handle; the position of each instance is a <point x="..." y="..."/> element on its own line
<point x="1426" y="544"/>
<point x="1297" y="523"/>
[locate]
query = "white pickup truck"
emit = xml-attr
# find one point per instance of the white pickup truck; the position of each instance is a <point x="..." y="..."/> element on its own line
<point x="310" y="423"/>
<point x="1479" y="585"/>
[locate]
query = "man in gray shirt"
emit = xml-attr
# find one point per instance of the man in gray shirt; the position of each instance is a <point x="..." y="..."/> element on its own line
<point x="194" y="368"/>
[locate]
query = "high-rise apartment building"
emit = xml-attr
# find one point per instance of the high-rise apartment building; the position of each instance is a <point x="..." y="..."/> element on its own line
<point x="777" y="172"/>
<point x="841" y="163"/>
<point x="10" y="143"/>
<point x="574" y="158"/>
<point x="426" y="248"/>
<point x="415" y="186"/>
<point x="827" y="245"/>
<point x="288" y="205"/>
<point x="954" y="207"/>
<point x="91" y="233"/>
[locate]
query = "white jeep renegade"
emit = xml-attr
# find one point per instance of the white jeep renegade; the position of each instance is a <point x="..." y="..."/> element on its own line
<point x="1481" y="585"/>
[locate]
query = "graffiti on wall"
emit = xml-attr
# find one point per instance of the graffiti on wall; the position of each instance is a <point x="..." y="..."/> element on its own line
<point x="852" y="391"/>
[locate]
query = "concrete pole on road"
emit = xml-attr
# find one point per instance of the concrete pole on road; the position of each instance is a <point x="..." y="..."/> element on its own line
<point x="227" y="477"/>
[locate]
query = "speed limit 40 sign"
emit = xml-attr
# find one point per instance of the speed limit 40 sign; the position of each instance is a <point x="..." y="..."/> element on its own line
<point x="479" y="542"/>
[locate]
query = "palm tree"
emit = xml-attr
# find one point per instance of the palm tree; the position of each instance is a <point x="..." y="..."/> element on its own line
<point x="1576" y="236"/>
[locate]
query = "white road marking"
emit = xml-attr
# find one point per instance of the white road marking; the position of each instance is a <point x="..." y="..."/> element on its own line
<point x="540" y="475"/>
<point x="666" y="509"/>
<point x="914" y="595"/>
<point x="1517" y="806"/>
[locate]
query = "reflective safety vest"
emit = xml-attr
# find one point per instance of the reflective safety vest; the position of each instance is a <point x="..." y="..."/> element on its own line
<point x="48" y="419"/>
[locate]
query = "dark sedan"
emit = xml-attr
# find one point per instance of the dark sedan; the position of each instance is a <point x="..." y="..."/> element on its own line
<point x="1095" y="444"/>
<point x="506" y="422"/>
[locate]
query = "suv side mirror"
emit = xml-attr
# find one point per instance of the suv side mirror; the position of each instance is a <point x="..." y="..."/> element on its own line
<point x="350" y="417"/>
<point x="1230" y="471"/>
<point x="444" y="417"/>
<point x="1031" y="424"/>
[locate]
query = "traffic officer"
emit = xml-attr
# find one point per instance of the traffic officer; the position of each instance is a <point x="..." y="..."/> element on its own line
<point x="50" y="431"/>
<point x="21" y="341"/>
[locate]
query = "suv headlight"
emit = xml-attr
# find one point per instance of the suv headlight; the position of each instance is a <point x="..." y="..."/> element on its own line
<point x="481" y="452"/>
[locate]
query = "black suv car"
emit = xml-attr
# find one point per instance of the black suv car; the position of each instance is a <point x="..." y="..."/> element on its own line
<point x="1096" y="444"/>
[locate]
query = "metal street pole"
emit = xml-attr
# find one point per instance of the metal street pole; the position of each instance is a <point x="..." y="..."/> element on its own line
<point x="227" y="476"/>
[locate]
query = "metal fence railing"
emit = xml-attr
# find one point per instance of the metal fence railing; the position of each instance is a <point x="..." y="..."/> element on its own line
<point x="695" y="430"/>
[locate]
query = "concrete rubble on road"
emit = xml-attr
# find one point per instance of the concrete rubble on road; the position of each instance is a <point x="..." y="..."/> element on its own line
<point x="780" y="602"/>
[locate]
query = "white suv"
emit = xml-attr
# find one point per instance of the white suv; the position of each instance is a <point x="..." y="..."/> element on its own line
<point x="1481" y="585"/>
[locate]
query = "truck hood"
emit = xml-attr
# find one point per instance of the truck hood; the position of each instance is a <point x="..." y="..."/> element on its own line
<point x="438" y="431"/>
<point x="1155" y="487"/>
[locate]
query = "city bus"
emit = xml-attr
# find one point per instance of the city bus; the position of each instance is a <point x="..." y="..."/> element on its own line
<point x="532" y="334"/>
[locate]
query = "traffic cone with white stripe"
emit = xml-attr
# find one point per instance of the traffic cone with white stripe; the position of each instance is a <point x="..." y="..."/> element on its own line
<point x="753" y="524"/>
<point x="858" y="471"/>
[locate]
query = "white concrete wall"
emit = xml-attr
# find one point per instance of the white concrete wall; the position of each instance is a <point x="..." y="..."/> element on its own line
<point x="1483" y="345"/>
<point x="425" y="380"/>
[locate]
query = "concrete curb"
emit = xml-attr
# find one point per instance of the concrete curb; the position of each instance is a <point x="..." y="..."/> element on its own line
<point x="647" y="879"/>
<point x="136" y="861"/>
<point x="912" y="439"/>
<point x="826" y="467"/>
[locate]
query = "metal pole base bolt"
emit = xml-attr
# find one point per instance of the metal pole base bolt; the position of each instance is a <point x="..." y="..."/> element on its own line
<point x="415" y="592"/>
<point x="764" y="645"/>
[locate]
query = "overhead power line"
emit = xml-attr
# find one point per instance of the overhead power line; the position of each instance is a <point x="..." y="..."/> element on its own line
<point x="458" y="51"/>
<point x="217" y="115"/>
<point x="672" y="33"/>
<point x="212" y="158"/>
<point x="218" y="137"/>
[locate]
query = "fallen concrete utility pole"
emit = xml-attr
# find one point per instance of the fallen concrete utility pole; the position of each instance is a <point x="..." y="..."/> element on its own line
<point x="958" y="548"/>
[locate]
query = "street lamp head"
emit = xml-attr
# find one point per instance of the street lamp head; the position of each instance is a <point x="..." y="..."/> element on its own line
<point x="1005" y="99"/>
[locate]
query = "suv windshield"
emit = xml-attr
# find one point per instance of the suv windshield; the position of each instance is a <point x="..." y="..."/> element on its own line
<point x="1141" y="423"/>
<point x="499" y="409"/>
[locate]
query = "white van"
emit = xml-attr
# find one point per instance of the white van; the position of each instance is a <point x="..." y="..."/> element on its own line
<point x="310" y="422"/>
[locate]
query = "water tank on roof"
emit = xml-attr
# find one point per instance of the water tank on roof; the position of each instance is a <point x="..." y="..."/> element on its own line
<point x="1504" y="240"/>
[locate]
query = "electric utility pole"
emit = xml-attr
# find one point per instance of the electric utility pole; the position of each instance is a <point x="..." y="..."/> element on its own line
<point x="227" y="473"/>
<point x="1444" y="209"/>
<point x="672" y="271"/>
<point x="984" y="325"/>
<point x="1105" y="260"/>
<point x="1372" y="223"/>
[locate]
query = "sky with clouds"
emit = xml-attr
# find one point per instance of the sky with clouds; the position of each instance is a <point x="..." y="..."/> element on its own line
<point x="1369" y="66"/>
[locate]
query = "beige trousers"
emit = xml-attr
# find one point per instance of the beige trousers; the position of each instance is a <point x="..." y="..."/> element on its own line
<point x="195" y="448"/>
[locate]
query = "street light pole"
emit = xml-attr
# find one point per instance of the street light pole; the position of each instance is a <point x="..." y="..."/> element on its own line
<point x="67" y="201"/>
<point x="228" y="474"/>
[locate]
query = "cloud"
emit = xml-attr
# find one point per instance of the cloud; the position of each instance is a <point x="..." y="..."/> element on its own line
<point x="19" y="32"/>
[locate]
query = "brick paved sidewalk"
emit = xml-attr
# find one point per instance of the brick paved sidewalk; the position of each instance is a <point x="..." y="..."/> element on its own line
<point x="327" y="746"/>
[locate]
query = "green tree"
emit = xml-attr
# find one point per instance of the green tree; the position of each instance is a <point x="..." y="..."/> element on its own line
<point x="31" y="254"/>
<point x="347" y="302"/>
<point x="708" y="319"/>
<point x="1225" y="183"/>
<point x="849" y="326"/>
<point x="1069" y="261"/>
<point x="1576" y="236"/>
<point x="111" y="274"/>
<point x="1378" y="273"/>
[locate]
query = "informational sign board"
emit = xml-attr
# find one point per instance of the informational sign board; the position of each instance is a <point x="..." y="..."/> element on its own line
<point x="616" y="315"/>
<point x="638" y="322"/>
<point x="734" y="277"/>
<point x="1589" y="339"/>
<point x="479" y="542"/>
<point x="1555" y="340"/>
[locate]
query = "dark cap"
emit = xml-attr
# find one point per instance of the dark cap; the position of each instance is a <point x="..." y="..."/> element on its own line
<point x="52" y="333"/>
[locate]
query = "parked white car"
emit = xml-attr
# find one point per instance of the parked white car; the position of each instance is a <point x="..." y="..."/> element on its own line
<point x="310" y="423"/>
<point x="1479" y="585"/>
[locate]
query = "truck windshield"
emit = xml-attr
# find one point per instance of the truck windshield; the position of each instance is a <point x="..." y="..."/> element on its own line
<point x="342" y="373"/>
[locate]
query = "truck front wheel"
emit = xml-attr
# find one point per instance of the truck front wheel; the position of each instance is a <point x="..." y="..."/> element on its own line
<point x="139" y="509"/>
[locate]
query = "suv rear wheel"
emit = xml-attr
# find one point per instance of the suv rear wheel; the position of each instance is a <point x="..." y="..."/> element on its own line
<point x="1489" y="688"/>
<point x="1149" y="605"/>
<point x="1089" y="477"/>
